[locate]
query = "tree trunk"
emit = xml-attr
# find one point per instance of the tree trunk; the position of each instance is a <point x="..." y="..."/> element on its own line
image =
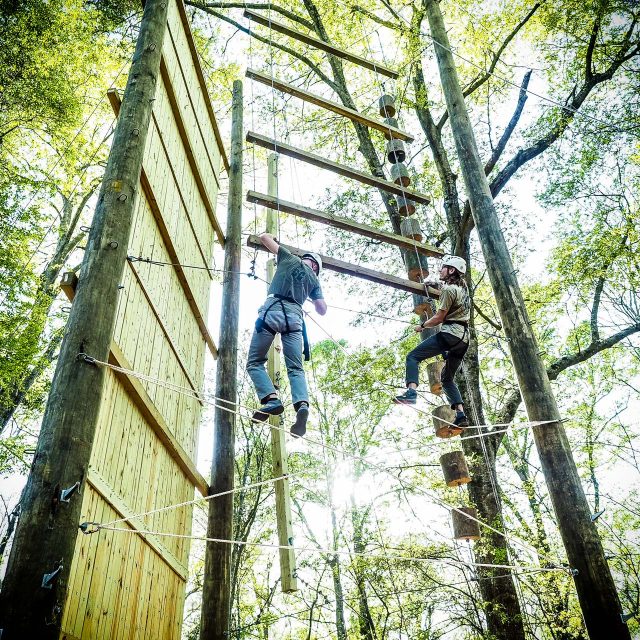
<point x="216" y="583"/>
<point x="47" y="530"/>
<point x="596" y="590"/>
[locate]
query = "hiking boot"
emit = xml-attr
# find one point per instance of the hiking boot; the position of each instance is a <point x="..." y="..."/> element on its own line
<point x="272" y="407"/>
<point x="408" y="397"/>
<point x="461" y="420"/>
<point x="299" y="427"/>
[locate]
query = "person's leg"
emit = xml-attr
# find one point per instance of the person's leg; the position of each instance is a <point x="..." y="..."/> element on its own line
<point x="452" y="364"/>
<point x="292" y="350"/>
<point x="256" y="360"/>
<point x="426" y="349"/>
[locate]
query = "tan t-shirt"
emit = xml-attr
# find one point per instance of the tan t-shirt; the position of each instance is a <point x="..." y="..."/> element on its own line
<point x="455" y="300"/>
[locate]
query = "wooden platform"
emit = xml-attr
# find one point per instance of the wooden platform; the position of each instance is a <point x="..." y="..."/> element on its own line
<point x="341" y="169"/>
<point x="308" y="213"/>
<point x="330" y="105"/>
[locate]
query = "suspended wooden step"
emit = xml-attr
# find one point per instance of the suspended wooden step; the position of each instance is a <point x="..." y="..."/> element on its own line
<point x="464" y="527"/>
<point x="422" y="305"/>
<point x="330" y="105"/>
<point x="333" y="264"/>
<point x="410" y="228"/>
<point x="443" y="418"/>
<point x="320" y="44"/>
<point x="417" y="266"/>
<point x="272" y="202"/>
<point x="434" y="371"/>
<point x="340" y="169"/>
<point x="454" y="468"/>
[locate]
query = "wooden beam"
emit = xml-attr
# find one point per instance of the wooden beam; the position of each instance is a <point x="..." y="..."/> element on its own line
<point x="341" y="169"/>
<point x="272" y="202"/>
<point x="279" y="459"/>
<point x="144" y="403"/>
<point x="114" y="99"/>
<point x="333" y="264"/>
<point x="203" y="85"/>
<point x="330" y="105"/>
<point x="321" y="44"/>
<point x="112" y="498"/>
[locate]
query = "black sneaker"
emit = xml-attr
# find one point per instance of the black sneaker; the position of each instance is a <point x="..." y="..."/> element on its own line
<point x="461" y="420"/>
<point x="272" y="407"/>
<point x="299" y="427"/>
<point x="408" y="397"/>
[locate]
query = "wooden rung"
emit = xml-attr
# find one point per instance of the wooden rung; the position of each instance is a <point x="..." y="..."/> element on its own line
<point x="320" y="44"/>
<point x="333" y="264"/>
<point x="273" y="202"/>
<point x="341" y="169"/>
<point x="330" y="105"/>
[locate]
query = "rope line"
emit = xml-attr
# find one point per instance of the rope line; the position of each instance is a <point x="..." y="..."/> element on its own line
<point x="343" y="552"/>
<point x="344" y="453"/>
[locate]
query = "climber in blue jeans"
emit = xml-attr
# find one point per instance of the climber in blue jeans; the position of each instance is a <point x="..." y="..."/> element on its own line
<point x="295" y="280"/>
<point x="452" y="340"/>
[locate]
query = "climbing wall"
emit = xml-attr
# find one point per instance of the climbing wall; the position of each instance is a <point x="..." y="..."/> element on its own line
<point x="132" y="585"/>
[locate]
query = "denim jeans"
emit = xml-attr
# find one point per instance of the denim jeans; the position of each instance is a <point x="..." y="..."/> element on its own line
<point x="438" y="344"/>
<point x="276" y="317"/>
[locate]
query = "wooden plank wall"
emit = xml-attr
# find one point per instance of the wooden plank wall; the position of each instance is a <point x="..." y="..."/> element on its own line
<point x="132" y="585"/>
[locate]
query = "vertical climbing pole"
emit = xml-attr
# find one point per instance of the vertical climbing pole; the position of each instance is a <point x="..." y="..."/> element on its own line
<point x="596" y="590"/>
<point x="35" y="588"/>
<point x="216" y="584"/>
<point x="278" y="447"/>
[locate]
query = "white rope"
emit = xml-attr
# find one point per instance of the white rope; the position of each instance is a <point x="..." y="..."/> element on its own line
<point x="343" y="552"/>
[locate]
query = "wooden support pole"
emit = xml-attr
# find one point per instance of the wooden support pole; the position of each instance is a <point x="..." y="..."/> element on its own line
<point x="596" y="590"/>
<point x="320" y="44"/>
<point x="313" y="98"/>
<point x="216" y="582"/>
<point x="340" y="169"/>
<point x="273" y="202"/>
<point x="34" y="590"/>
<point x="280" y="464"/>
<point x="333" y="264"/>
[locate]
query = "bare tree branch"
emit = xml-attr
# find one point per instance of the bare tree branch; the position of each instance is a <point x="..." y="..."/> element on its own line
<point x="259" y="5"/>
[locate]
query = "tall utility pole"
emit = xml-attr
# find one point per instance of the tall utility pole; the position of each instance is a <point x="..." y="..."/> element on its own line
<point x="280" y="465"/>
<point x="34" y="590"/>
<point x="216" y="582"/>
<point x="596" y="590"/>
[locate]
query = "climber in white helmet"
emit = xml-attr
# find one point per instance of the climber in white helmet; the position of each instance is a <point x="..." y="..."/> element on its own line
<point x="295" y="280"/>
<point x="452" y="340"/>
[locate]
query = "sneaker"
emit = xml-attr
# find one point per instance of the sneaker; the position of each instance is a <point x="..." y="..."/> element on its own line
<point x="408" y="397"/>
<point x="272" y="407"/>
<point x="299" y="427"/>
<point x="461" y="420"/>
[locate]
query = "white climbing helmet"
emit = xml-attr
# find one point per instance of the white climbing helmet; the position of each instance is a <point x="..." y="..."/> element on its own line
<point x="455" y="262"/>
<point x="316" y="258"/>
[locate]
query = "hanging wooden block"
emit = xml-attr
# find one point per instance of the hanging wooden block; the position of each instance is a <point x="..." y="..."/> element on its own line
<point x="406" y="207"/>
<point x="387" y="106"/>
<point x="421" y="305"/>
<point x="390" y="133"/>
<point x="400" y="174"/>
<point x="443" y="418"/>
<point x="454" y="468"/>
<point x="395" y="151"/>
<point x="410" y="228"/>
<point x="464" y="528"/>
<point x="417" y="266"/>
<point x="434" y="371"/>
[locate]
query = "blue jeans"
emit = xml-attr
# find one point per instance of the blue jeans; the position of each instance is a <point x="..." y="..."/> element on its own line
<point x="276" y="317"/>
<point x="440" y="343"/>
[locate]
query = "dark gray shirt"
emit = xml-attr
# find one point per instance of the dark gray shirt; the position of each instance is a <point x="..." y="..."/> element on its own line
<point x="294" y="279"/>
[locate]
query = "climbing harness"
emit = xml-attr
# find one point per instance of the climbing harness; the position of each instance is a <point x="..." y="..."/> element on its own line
<point x="262" y="324"/>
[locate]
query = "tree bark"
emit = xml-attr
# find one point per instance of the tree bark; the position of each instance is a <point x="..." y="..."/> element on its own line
<point x="47" y="530"/>
<point x="596" y="590"/>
